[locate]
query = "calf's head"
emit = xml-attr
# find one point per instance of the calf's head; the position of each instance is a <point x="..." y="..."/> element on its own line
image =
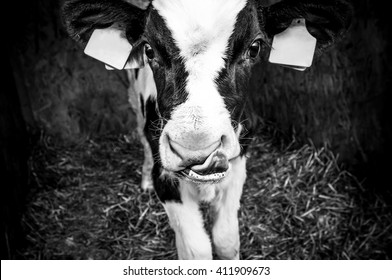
<point x="201" y="53"/>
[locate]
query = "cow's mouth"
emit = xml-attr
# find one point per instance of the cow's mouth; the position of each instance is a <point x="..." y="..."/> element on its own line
<point x="213" y="170"/>
<point x="199" y="178"/>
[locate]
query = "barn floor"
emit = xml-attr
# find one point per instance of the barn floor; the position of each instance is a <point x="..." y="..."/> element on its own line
<point x="298" y="203"/>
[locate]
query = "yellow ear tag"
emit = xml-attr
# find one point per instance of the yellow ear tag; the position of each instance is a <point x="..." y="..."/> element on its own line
<point x="294" y="47"/>
<point x="111" y="47"/>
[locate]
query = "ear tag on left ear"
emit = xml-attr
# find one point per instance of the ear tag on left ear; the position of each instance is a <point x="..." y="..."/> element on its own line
<point x="110" y="47"/>
<point x="294" y="47"/>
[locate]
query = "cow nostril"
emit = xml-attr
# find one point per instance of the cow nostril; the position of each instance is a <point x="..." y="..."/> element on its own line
<point x="224" y="140"/>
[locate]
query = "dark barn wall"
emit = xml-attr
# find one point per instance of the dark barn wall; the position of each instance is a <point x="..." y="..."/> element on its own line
<point x="342" y="101"/>
<point x="14" y="153"/>
<point x="72" y="96"/>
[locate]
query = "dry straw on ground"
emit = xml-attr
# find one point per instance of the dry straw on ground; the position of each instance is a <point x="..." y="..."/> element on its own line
<point x="298" y="203"/>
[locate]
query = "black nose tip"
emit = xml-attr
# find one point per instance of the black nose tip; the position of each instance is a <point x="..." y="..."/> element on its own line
<point x="218" y="164"/>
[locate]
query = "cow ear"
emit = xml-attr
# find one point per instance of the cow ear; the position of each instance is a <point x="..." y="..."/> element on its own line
<point x="81" y="17"/>
<point x="326" y="20"/>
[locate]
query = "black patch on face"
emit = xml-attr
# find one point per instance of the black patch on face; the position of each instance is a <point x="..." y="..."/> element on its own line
<point x="142" y="105"/>
<point x="233" y="80"/>
<point x="169" y="70"/>
<point x="170" y="78"/>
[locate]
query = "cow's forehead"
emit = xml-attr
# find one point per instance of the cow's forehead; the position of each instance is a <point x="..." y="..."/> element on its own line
<point x="200" y="28"/>
<point x="201" y="31"/>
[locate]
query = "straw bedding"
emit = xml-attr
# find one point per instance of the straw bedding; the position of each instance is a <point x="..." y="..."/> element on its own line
<point x="298" y="203"/>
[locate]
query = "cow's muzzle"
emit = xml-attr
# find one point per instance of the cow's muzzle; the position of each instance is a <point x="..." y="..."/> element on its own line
<point x="198" y="147"/>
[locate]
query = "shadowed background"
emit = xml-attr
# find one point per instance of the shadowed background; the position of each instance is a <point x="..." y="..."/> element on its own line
<point x="342" y="101"/>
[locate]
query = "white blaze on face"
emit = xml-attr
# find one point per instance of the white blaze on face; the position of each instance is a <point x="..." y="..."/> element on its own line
<point x="201" y="29"/>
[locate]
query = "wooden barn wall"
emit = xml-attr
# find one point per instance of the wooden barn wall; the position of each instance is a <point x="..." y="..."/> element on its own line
<point x="342" y="101"/>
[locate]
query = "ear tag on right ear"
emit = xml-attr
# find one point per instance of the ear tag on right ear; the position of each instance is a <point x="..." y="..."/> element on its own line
<point x="294" y="47"/>
<point x="110" y="47"/>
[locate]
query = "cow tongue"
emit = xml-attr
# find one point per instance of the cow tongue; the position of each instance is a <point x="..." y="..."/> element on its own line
<point x="216" y="163"/>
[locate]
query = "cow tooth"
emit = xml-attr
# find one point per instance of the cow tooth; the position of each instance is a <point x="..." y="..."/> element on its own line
<point x="209" y="177"/>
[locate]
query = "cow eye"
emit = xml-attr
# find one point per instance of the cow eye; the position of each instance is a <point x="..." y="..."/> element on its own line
<point x="254" y="49"/>
<point x="149" y="51"/>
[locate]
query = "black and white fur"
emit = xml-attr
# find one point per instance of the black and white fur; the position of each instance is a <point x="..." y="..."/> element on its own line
<point x="197" y="120"/>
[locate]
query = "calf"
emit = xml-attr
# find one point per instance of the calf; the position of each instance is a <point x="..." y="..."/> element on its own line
<point x="197" y="120"/>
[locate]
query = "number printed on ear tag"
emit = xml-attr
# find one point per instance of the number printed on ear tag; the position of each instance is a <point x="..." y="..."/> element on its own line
<point x="294" y="47"/>
<point x="110" y="47"/>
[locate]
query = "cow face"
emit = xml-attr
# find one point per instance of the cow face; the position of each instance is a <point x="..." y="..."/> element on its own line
<point x="201" y="60"/>
<point x="201" y="53"/>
